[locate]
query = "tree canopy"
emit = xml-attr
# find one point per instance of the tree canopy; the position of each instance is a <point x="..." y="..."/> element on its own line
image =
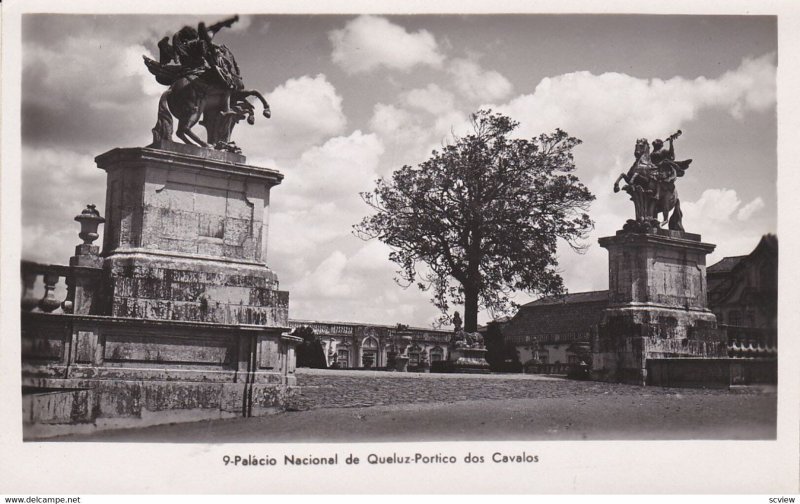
<point x="487" y="211"/>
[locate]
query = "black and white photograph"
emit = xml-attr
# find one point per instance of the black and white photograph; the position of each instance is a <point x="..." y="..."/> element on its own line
<point x="443" y="242"/>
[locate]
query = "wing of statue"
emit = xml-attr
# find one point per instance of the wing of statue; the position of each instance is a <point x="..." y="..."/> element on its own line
<point x="165" y="74"/>
<point x="681" y="167"/>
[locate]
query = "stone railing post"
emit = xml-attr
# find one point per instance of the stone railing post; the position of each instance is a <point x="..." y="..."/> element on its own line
<point x="86" y="266"/>
<point x="49" y="302"/>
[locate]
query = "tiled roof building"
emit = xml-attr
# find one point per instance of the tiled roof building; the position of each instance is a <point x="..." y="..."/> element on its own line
<point x="743" y="290"/>
<point x="549" y="328"/>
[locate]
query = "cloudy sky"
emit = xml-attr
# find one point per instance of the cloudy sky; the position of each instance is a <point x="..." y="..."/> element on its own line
<point x="356" y="97"/>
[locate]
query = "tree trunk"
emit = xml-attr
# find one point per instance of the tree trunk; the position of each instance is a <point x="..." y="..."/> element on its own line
<point x="470" y="309"/>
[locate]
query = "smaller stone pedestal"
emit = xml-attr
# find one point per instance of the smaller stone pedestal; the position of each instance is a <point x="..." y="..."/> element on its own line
<point x="657" y="305"/>
<point x="401" y="364"/>
<point x="468" y="360"/>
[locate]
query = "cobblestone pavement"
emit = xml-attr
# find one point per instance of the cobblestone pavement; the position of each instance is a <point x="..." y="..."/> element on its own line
<point x="351" y="389"/>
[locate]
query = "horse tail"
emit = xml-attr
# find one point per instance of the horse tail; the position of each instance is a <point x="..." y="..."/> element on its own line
<point x="163" y="129"/>
<point x="676" y="220"/>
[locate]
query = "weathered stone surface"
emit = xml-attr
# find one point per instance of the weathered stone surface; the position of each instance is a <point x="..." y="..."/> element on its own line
<point x="657" y="305"/>
<point x="184" y="320"/>
<point x="464" y="360"/>
<point x="115" y="403"/>
<point x="174" y="202"/>
<point x="710" y="372"/>
<point x="186" y="239"/>
<point x="665" y="268"/>
<point x="45" y="341"/>
<point x="217" y="155"/>
<point x="199" y="290"/>
<point x="151" y="371"/>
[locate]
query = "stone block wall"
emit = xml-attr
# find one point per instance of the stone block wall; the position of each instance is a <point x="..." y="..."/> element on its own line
<point x="194" y="290"/>
<point x="100" y="372"/>
<point x="183" y="204"/>
<point x="186" y="238"/>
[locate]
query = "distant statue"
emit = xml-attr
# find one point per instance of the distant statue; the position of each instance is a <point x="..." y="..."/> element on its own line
<point x="204" y="83"/>
<point x="464" y="339"/>
<point x="651" y="186"/>
<point x="456" y="322"/>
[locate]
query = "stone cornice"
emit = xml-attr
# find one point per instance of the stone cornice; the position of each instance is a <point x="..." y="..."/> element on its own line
<point x="662" y="238"/>
<point x="203" y="159"/>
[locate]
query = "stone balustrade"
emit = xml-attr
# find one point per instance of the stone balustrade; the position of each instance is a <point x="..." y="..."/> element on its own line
<point x="751" y="342"/>
<point x="50" y="275"/>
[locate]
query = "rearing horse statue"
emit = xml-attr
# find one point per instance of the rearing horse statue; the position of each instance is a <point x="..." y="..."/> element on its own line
<point x="204" y="83"/>
<point x="652" y="188"/>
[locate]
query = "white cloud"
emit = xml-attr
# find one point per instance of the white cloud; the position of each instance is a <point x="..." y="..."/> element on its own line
<point x="308" y="106"/>
<point x="342" y="167"/>
<point x="56" y="186"/>
<point x="714" y="205"/>
<point x="77" y="81"/>
<point x="431" y="99"/>
<point x="717" y="216"/>
<point x="327" y="280"/>
<point x="305" y="111"/>
<point x="319" y="200"/>
<point x="373" y="256"/>
<point x="396" y="124"/>
<point x="618" y="106"/>
<point x="477" y="84"/>
<point x="370" y="42"/>
<point x="749" y="209"/>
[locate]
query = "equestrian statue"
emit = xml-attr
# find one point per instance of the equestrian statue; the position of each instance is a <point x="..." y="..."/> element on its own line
<point x="651" y="185"/>
<point x="205" y="86"/>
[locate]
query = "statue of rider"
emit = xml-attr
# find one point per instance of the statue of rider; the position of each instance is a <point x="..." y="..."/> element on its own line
<point x="667" y="168"/>
<point x="195" y="53"/>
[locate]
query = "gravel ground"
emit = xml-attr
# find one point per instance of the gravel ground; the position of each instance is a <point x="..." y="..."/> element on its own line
<point x="347" y="389"/>
<point x="342" y="406"/>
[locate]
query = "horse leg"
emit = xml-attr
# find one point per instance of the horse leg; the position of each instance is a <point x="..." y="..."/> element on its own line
<point x="252" y="92"/>
<point x="181" y="133"/>
<point x="622" y="176"/>
<point x="186" y="124"/>
<point x="226" y="104"/>
<point x="185" y="130"/>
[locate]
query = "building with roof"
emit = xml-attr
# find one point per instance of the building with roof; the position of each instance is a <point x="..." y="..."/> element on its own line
<point x="743" y="290"/>
<point x="743" y="294"/>
<point x="556" y="329"/>
<point x="360" y="345"/>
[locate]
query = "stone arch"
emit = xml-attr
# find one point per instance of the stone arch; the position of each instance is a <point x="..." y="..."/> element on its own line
<point x="370" y="352"/>
<point x="414" y="354"/>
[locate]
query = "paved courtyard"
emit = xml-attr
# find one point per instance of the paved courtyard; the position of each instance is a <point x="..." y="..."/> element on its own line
<point x="341" y="406"/>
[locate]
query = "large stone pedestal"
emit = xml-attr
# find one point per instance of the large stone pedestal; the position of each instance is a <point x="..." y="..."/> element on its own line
<point x="179" y="318"/>
<point x="186" y="237"/>
<point x="657" y="305"/>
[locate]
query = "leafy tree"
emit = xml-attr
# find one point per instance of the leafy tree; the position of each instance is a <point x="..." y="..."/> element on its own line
<point x="493" y="340"/>
<point x="486" y="211"/>
<point x="309" y="353"/>
<point x="501" y="355"/>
